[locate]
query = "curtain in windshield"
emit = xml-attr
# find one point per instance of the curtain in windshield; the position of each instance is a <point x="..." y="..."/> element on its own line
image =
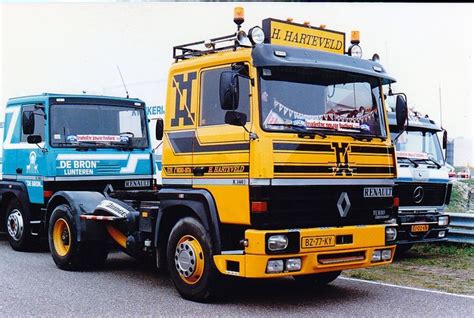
<point x="320" y="99"/>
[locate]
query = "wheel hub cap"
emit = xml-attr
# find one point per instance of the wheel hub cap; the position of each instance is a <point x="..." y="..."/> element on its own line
<point x="15" y="225"/>
<point x="189" y="259"/>
<point x="185" y="259"/>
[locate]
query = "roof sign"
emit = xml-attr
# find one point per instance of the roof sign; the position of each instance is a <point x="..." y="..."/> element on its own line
<point x="307" y="37"/>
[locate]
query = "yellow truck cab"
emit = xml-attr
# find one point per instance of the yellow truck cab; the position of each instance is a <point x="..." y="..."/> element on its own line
<point x="277" y="161"/>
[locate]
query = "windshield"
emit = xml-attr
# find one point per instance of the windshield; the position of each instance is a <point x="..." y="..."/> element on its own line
<point x="98" y="126"/>
<point x="332" y="101"/>
<point x="418" y="145"/>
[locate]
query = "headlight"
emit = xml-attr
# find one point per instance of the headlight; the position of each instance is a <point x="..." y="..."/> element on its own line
<point x="277" y="242"/>
<point x="293" y="264"/>
<point x="443" y="220"/>
<point x="275" y="266"/>
<point x="355" y="51"/>
<point x="256" y="35"/>
<point x="390" y="234"/>
<point x="376" y="256"/>
<point x="386" y="255"/>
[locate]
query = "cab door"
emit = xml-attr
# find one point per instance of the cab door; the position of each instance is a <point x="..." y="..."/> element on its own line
<point x="221" y="151"/>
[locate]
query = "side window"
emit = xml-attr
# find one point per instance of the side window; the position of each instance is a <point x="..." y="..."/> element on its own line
<point x="39" y="122"/>
<point x="211" y="112"/>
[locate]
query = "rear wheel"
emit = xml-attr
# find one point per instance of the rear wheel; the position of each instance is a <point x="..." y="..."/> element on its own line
<point x="320" y="279"/>
<point x="190" y="262"/>
<point x="18" y="227"/>
<point x="67" y="252"/>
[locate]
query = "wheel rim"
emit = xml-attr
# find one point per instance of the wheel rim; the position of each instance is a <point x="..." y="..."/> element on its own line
<point x="189" y="259"/>
<point x="61" y="237"/>
<point x="15" y="225"/>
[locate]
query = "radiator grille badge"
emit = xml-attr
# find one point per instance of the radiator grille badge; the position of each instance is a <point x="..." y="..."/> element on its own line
<point x="343" y="204"/>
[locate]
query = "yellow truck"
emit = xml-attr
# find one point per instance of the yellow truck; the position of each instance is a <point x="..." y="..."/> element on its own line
<point x="277" y="161"/>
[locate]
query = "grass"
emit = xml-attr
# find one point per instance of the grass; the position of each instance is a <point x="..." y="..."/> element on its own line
<point x="460" y="195"/>
<point x="445" y="267"/>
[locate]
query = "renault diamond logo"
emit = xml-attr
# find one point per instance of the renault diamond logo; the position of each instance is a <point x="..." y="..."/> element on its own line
<point x="343" y="204"/>
<point x="418" y="194"/>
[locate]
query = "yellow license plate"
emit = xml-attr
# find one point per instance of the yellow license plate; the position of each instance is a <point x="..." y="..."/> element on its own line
<point x="318" y="241"/>
<point x="420" y="227"/>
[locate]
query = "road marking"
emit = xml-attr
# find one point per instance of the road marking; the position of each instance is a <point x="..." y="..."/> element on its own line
<point x="407" y="287"/>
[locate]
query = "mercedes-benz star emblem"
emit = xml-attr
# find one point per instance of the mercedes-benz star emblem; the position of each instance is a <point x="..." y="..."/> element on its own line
<point x="343" y="204"/>
<point x="418" y="194"/>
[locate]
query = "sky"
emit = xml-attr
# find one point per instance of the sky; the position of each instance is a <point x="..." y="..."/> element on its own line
<point x="76" y="47"/>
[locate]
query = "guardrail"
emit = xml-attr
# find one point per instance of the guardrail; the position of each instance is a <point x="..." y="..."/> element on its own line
<point x="461" y="227"/>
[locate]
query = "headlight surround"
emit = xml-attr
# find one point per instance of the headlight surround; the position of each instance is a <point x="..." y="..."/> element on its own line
<point x="277" y="242"/>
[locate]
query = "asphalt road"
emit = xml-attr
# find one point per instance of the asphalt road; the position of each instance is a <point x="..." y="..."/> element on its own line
<point x="30" y="284"/>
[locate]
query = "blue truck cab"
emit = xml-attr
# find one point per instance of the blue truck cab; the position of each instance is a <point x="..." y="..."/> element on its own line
<point x="423" y="183"/>
<point x="54" y="142"/>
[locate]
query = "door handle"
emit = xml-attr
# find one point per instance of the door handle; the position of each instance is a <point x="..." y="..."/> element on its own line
<point x="19" y="170"/>
<point x="199" y="171"/>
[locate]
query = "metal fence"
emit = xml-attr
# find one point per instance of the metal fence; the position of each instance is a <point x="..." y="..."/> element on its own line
<point x="461" y="227"/>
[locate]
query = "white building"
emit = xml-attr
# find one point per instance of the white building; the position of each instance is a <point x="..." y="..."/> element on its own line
<point x="463" y="151"/>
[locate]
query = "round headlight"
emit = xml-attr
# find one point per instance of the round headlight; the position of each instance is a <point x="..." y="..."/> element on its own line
<point x="256" y="35"/>
<point x="355" y="51"/>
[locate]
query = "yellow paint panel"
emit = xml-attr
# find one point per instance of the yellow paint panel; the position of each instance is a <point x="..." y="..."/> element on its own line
<point x="232" y="202"/>
<point x="363" y="236"/>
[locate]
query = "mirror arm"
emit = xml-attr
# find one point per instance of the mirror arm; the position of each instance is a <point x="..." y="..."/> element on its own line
<point x="43" y="149"/>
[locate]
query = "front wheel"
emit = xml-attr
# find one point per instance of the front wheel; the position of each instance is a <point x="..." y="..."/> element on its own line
<point x="190" y="262"/>
<point x="18" y="227"/>
<point x="68" y="253"/>
<point x="320" y="279"/>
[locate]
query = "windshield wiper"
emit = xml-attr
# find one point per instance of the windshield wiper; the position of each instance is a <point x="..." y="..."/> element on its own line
<point x="303" y="131"/>
<point x="438" y="166"/>
<point x="411" y="160"/>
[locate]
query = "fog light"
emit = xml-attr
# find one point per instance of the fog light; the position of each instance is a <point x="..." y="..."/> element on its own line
<point x="277" y="242"/>
<point x="293" y="264"/>
<point x="390" y="234"/>
<point x="386" y="255"/>
<point x="376" y="256"/>
<point x="275" y="266"/>
<point x="443" y="220"/>
<point x="441" y="233"/>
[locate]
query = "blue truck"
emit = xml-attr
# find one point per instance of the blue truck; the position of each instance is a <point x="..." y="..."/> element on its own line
<point x="55" y="142"/>
<point x="423" y="183"/>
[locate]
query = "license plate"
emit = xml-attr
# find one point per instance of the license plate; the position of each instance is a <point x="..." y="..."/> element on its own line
<point x="420" y="227"/>
<point x="318" y="241"/>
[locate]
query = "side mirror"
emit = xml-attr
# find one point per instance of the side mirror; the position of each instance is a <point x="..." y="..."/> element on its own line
<point x="229" y="90"/>
<point x="28" y="122"/>
<point x="235" y="118"/>
<point x="34" y="139"/>
<point x="445" y="139"/>
<point x="401" y="110"/>
<point x="159" y="129"/>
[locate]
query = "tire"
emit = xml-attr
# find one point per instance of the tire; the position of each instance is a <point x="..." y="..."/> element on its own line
<point x="18" y="228"/>
<point x="320" y="279"/>
<point x="190" y="263"/>
<point x="402" y="249"/>
<point x="67" y="252"/>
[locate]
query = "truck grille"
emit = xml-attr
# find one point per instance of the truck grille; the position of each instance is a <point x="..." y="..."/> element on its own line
<point x="311" y="206"/>
<point x="433" y="194"/>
